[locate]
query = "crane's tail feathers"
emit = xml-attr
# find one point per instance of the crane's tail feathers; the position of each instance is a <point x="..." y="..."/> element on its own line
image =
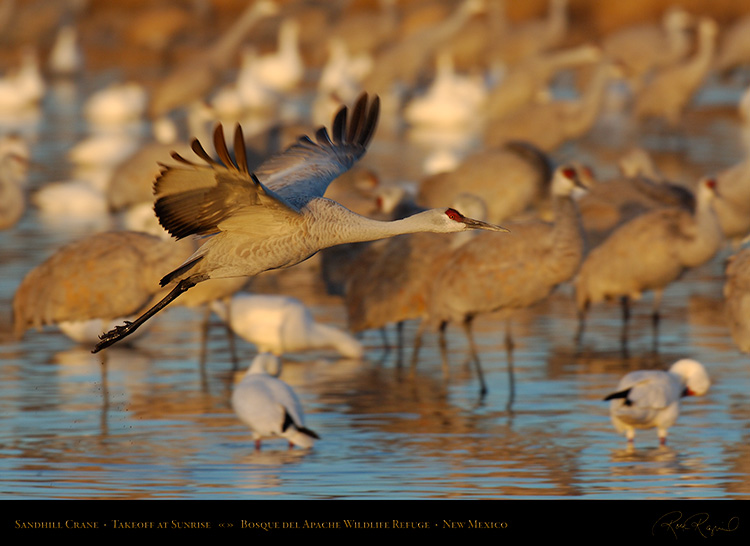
<point x="119" y="332"/>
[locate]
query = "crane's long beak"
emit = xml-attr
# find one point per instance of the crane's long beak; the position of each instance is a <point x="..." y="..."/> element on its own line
<point x="478" y="224"/>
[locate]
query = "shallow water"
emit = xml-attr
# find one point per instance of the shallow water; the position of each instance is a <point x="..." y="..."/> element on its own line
<point x="154" y="424"/>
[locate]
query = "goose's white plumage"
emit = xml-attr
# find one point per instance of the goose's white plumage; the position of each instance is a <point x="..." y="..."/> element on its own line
<point x="269" y="406"/>
<point x="279" y="324"/>
<point x="117" y="103"/>
<point x="25" y="87"/>
<point x="651" y="398"/>
<point x="276" y="216"/>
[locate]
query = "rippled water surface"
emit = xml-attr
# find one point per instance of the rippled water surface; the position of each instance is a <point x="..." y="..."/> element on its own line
<point x="154" y="424"/>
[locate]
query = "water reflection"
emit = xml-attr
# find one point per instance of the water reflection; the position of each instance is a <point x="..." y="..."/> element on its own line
<point x="154" y="422"/>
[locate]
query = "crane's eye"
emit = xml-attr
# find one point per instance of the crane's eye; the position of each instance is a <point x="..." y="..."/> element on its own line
<point x="569" y="173"/>
<point x="454" y="215"/>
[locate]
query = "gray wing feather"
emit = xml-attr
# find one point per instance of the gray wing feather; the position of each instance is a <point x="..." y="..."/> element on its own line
<point x="194" y="198"/>
<point x="305" y="169"/>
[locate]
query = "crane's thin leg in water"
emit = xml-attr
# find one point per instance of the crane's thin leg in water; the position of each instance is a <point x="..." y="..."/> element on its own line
<point x="509" y="346"/>
<point x="205" y="326"/>
<point x="120" y="332"/>
<point x="581" y="326"/>
<point x="655" y="319"/>
<point x="399" y="343"/>
<point x="443" y="342"/>
<point x="474" y="355"/>
<point x="625" y="303"/>
<point x="416" y="348"/>
<point x="231" y="337"/>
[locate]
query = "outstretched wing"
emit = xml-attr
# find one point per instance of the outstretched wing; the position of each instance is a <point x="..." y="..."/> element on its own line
<point x="195" y="198"/>
<point x="304" y="170"/>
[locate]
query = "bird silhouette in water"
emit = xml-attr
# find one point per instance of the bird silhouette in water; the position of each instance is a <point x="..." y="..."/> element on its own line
<point x="276" y="216"/>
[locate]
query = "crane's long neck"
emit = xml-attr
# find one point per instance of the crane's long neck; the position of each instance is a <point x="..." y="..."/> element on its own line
<point x="708" y="238"/>
<point x="222" y="51"/>
<point x="336" y="225"/>
<point x="591" y="101"/>
<point x="568" y="242"/>
<point x="704" y="54"/>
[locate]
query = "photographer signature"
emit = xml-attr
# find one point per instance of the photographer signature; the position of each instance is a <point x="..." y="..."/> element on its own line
<point x="674" y="522"/>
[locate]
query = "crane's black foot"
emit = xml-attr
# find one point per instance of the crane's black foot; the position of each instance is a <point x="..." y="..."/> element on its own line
<point x="113" y="336"/>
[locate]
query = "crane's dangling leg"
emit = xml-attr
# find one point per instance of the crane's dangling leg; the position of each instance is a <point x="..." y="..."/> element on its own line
<point x="474" y="355"/>
<point x="120" y="332"/>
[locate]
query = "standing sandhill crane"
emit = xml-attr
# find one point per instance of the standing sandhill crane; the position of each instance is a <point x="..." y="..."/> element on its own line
<point x="194" y="79"/>
<point x="669" y="92"/>
<point x="93" y="283"/>
<point x="279" y="324"/>
<point x="733" y="209"/>
<point x="645" y="47"/>
<point x="106" y="277"/>
<point x="387" y="283"/>
<point x="402" y="62"/>
<point x="275" y="217"/>
<point x="651" y="398"/>
<point x="507" y="273"/>
<point x="520" y="41"/>
<point x="737" y="298"/>
<point x="648" y="253"/>
<point x="734" y="49"/>
<point x="525" y="80"/>
<point x="549" y="125"/>
<point x="526" y="172"/>
<point x="611" y="203"/>
<point x="14" y="164"/>
<point x="269" y="406"/>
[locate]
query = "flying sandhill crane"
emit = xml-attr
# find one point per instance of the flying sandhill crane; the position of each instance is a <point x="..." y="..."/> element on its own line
<point x="651" y="398"/>
<point x="648" y="253"/>
<point x="276" y="216"/>
<point x="737" y="298"/>
<point x="507" y="273"/>
<point x="269" y="406"/>
<point x="669" y="92"/>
